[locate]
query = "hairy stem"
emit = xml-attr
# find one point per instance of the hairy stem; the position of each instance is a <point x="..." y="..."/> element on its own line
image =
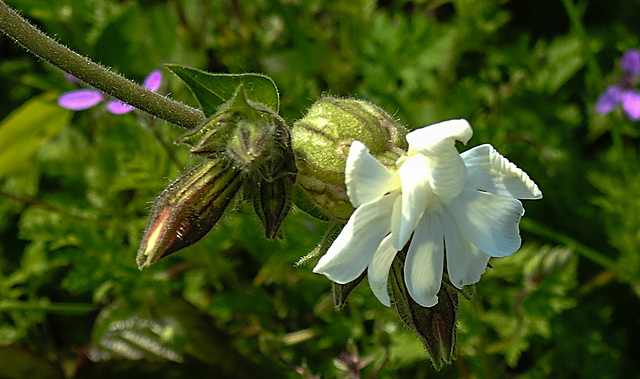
<point x="109" y="82"/>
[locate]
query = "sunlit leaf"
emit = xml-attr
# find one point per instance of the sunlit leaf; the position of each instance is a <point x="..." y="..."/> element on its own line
<point x="212" y="90"/>
<point x="28" y="127"/>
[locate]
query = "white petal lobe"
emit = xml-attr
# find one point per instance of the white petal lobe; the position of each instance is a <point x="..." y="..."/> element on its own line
<point x="465" y="263"/>
<point x="366" y="178"/>
<point x="354" y="247"/>
<point x="489" y="221"/>
<point x="424" y="263"/>
<point x="378" y="272"/>
<point x="489" y="171"/>
<point x="415" y="190"/>
<point x="448" y="174"/>
<point x="434" y="139"/>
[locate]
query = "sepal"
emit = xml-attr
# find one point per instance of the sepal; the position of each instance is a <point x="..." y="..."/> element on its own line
<point x="272" y="202"/>
<point x="434" y="326"/>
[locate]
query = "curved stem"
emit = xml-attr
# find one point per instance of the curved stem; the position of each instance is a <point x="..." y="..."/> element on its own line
<point x="575" y="18"/>
<point x="589" y="253"/>
<point x="94" y="74"/>
<point x="60" y="308"/>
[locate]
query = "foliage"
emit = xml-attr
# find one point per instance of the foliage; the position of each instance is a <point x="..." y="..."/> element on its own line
<point x="75" y="192"/>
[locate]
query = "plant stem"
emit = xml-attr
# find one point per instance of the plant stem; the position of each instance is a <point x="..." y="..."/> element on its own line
<point x="46" y="206"/>
<point x="575" y="18"/>
<point x="94" y="74"/>
<point x="589" y="253"/>
<point x="61" y="308"/>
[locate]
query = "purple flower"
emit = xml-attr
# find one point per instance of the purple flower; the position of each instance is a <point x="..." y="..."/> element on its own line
<point x="81" y="99"/>
<point x="623" y="93"/>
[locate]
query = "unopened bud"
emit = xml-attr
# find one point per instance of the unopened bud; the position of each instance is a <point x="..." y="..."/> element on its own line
<point x="187" y="210"/>
<point x="251" y="145"/>
<point x="237" y="116"/>
<point x="321" y="141"/>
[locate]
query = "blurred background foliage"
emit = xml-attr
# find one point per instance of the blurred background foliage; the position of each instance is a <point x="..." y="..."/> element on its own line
<point x="76" y="188"/>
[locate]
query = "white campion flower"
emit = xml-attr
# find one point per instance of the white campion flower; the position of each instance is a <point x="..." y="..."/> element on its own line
<point x="463" y="205"/>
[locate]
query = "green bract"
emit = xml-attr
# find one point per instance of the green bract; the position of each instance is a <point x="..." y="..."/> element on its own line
<point x="321" y="141"/>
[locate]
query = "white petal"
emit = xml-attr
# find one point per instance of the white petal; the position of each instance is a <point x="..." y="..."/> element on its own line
<point x="489" y="171"/>
<point x="432" y="140"/>
<point x="414" y="176"/>
<point x="448" y="174"/>
<point x="489" y="221"/>
<point x="354" y="247"/>
<point x="366" y="178"/>
<point x="396" y="216"/>
<point x="423" y="266"/>
<point x="465" y="263"/>
<point x="378" y="272"/>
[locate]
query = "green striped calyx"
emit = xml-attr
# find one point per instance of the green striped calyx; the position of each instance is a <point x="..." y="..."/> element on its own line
<point x="321" y="142"/>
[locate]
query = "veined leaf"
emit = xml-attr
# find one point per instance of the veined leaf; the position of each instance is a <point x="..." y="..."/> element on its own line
<point x="212" y="90"/>
<point x="28" y="127"/>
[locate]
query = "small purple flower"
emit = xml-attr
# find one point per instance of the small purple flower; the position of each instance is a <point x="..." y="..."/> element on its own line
<point x="81" y="99"/>
<point x="623" y="93"/>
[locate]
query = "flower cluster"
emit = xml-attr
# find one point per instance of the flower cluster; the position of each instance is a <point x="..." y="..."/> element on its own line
<point x="437" y="201"/>
<point x="81" y="99"/>
<point x="623" y="93"/>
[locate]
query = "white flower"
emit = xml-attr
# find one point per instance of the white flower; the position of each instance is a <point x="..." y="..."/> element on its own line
<point x="465" y="205"/>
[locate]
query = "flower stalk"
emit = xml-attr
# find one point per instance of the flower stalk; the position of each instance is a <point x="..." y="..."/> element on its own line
<point x="109" y="82"/>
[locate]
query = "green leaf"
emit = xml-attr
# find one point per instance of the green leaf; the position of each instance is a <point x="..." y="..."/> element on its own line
<point x="564" y="58"/>
<point x="212" y="90"/>
<point x="28" y="127"/>
<point x="17" y="362"/>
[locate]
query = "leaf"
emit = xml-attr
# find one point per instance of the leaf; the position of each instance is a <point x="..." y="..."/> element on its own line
<point x="17" y="362"/>
<point x="564" y="58"/>
<point x="26" y="128"/>
<point x="212" y="90"/>
<point x="137" y="338"/>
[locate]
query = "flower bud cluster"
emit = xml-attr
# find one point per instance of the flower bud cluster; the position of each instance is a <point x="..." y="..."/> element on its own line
<point x="245" y="146"/>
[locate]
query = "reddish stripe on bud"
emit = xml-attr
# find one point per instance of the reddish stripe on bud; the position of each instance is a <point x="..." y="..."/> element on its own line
<point x="187" y="210"/>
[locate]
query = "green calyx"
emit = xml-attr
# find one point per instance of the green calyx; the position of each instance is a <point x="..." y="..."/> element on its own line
<point x="436" y="327"/>
<point x="321" y="142"/>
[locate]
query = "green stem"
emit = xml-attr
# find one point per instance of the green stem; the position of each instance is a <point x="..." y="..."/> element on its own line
<point x="594" y="255"/>
<point x="61" y="308"/>
<point x="94" y="74"/>
<point x="575" y="18"/>
<point x="152" y="126"/>
<point x="46" y="206"/>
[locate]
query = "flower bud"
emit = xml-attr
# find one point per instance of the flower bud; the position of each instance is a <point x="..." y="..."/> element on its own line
<point x="187" y="209"/>
<point x="236" y="118"/>
<point x="321" y="141"/>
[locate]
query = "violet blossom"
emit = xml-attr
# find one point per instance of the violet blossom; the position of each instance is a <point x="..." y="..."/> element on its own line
<point x="82" y="99"/>
<point x="623" y="93"/>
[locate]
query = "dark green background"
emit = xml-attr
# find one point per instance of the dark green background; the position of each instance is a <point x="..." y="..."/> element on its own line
<point x="76" y="189"/>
